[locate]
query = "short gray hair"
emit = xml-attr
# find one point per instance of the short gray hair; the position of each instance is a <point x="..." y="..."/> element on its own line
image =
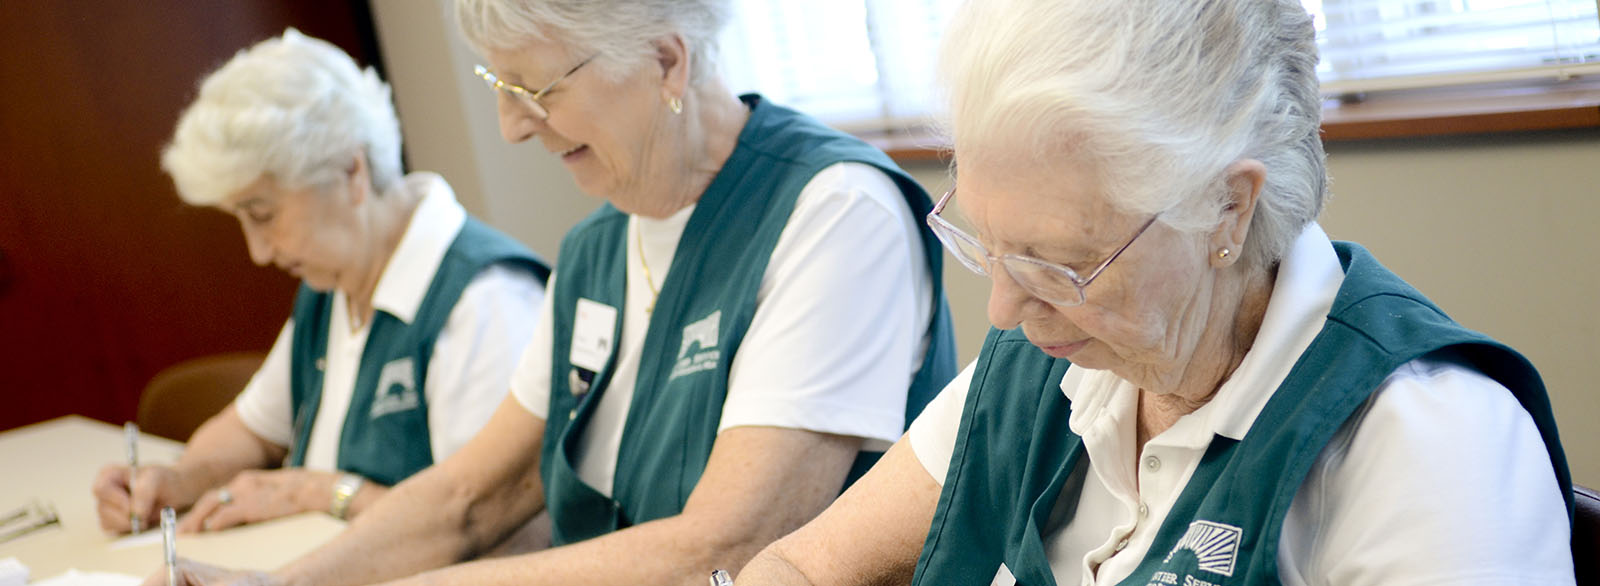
<point x="618" y="32"/>
<point x="1159" y="95"/>
<point x="291" y="108"/>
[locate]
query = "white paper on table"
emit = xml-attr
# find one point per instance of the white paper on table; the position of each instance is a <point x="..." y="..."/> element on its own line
<point x="12" y="572"/>
<point x="140" y="540"/>
<point x="76" y="578"/>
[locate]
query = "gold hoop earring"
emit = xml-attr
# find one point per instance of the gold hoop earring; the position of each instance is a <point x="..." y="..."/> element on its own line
<point x="1223" y="254"/>
<point x="675" y="104"/>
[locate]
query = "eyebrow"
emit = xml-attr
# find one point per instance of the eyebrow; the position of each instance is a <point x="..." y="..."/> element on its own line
<point x="512" y="79"/>
<point x="1068" y="256"/>
<point x="249" y="203"/>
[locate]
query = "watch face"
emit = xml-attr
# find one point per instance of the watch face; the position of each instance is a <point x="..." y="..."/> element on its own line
<point x="343" y="492"/>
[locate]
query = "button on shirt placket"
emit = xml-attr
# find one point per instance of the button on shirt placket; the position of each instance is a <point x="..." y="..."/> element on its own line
<point x="1153" y="484"/>
<point x="1149" y="479"/>
<point x="340" y="367"/>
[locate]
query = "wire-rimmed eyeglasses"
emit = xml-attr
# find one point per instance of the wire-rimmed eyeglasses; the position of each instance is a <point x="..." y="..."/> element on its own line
<point x="1053" y="283"/>
<point x="528" y="98"/>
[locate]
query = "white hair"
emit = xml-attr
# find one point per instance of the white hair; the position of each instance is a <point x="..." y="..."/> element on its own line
<point x="293" y="109"/>
<point x="619" y="33"/>
<point x="1159" y="96"/>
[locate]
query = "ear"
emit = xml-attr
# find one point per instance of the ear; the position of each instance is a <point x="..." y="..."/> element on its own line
<point x="358" y="178"/>
<point x="1244" y="179"/>
<point x="674" y="60"/>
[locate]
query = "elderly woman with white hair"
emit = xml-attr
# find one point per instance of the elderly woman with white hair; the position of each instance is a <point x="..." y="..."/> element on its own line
<point x="1188" y="382"/>
<point x="408" y="322"/>
<point x="750" y="319"/>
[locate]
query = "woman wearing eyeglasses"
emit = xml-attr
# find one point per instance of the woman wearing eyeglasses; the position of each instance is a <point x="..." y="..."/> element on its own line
<point x="1188" y="383"/>
<point x="750" y="319"/>
<point x="409" y="320"/>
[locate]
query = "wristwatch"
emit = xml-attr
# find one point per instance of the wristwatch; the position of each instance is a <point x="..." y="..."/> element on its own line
<point x="343" y="492"/>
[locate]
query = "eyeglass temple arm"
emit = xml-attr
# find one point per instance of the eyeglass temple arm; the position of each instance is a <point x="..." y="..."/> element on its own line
<point x="1118" y="253"/>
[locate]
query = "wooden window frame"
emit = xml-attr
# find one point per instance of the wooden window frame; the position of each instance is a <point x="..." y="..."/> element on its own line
<point x="1505" y="107"/>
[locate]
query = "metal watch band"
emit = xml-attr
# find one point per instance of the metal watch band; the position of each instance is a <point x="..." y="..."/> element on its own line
<point x="343" y="492"/>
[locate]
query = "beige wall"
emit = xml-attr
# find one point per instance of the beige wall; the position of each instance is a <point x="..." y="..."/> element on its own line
<point x="1497" y="230"/>
<point x="448" y="117"/>
<point x="1500" y="232"/>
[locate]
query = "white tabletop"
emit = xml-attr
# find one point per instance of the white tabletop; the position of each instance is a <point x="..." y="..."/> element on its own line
<point x="55" y="462"/>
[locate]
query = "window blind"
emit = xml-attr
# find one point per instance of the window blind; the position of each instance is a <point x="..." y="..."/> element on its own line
<point x="1370" y="45"/>
<point x="868" y="65"/>
<point x="860" y="65"/>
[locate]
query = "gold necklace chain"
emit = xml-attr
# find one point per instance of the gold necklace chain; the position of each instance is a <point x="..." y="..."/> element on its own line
<point x="648" y="280"/>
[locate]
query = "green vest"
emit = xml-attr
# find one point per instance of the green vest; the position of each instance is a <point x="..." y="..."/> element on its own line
<point x="1015" y="451"/>
<point x="702" y="314"/>
<point x="385" y="435"/>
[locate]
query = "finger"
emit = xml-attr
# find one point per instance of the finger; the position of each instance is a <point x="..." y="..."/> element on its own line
<point x="159" y="578"/>
<point x="232" y="513"/>
<point x="192" y="573"/>
<point x="182" y="572"/>
<point x="190" y="576"/>
<point x="225" y="517"/>
<point x="145" y="498"/>
<point x="110" y="490"/>
<point x="194" y="521"/>
<point x="111" y="484"/>
<point x="113" y="517"/>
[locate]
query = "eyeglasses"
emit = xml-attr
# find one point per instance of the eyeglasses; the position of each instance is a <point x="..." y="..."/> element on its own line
<point x="528" y="98"/>
<point x="1048" y="281"/>
<point x="27" y="519"/>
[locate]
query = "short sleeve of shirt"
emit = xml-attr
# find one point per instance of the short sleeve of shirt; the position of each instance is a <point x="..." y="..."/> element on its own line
<point x="264" y="404"/>
<point x="530" y="382"/>
<point x="842" y="313"/>
<point x="476" y="352"/>
<point x="933" y="434"/>
<point x="1442" y="479"/>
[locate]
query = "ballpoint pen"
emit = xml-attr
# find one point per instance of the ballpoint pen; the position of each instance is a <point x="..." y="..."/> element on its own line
<point x="130" y="435"/>
<point x="169" y="543"/>
<point x="720" y="578"/>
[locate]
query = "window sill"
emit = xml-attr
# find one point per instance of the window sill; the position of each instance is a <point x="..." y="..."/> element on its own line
<point x="1511" y="107"/>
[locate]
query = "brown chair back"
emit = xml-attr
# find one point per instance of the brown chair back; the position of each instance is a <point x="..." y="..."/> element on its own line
<point x="1586" y="535"/>
<point x="185" y="395"/>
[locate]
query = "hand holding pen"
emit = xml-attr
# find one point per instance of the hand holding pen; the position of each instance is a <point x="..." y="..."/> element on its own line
<point x="129" y="494"/>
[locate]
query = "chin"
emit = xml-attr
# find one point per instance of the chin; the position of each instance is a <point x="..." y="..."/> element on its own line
<point x="591" y="183"/>
<point x="1093" y="357"/>
<point x="318" y="284"/>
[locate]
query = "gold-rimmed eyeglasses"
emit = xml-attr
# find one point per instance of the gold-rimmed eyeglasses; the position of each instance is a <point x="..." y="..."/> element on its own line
<point x="1053" y="283"/>
<point x="527" y="97"/>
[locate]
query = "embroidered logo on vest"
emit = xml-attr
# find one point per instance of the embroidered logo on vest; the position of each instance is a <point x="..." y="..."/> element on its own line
<point x="397" y="389"/>
<point x="698" y="351"/>
<point x="1215" y="546"/>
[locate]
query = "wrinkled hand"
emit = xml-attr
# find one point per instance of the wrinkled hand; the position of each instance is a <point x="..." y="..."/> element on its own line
<point x="253" y="496"/>
<point x="191" y="573"/>
<point x="159" y="486"/>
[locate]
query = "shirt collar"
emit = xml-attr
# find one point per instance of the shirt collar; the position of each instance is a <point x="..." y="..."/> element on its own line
<point x="432" y="229"/>
<point x="1308" y="279"/>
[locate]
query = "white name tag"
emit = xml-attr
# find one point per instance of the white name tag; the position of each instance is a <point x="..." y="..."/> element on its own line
<point x="1003" y="577"/>
<point x="593" y="330"/>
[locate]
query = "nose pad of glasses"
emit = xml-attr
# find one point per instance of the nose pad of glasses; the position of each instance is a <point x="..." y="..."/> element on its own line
<point x="536" y="110"/>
